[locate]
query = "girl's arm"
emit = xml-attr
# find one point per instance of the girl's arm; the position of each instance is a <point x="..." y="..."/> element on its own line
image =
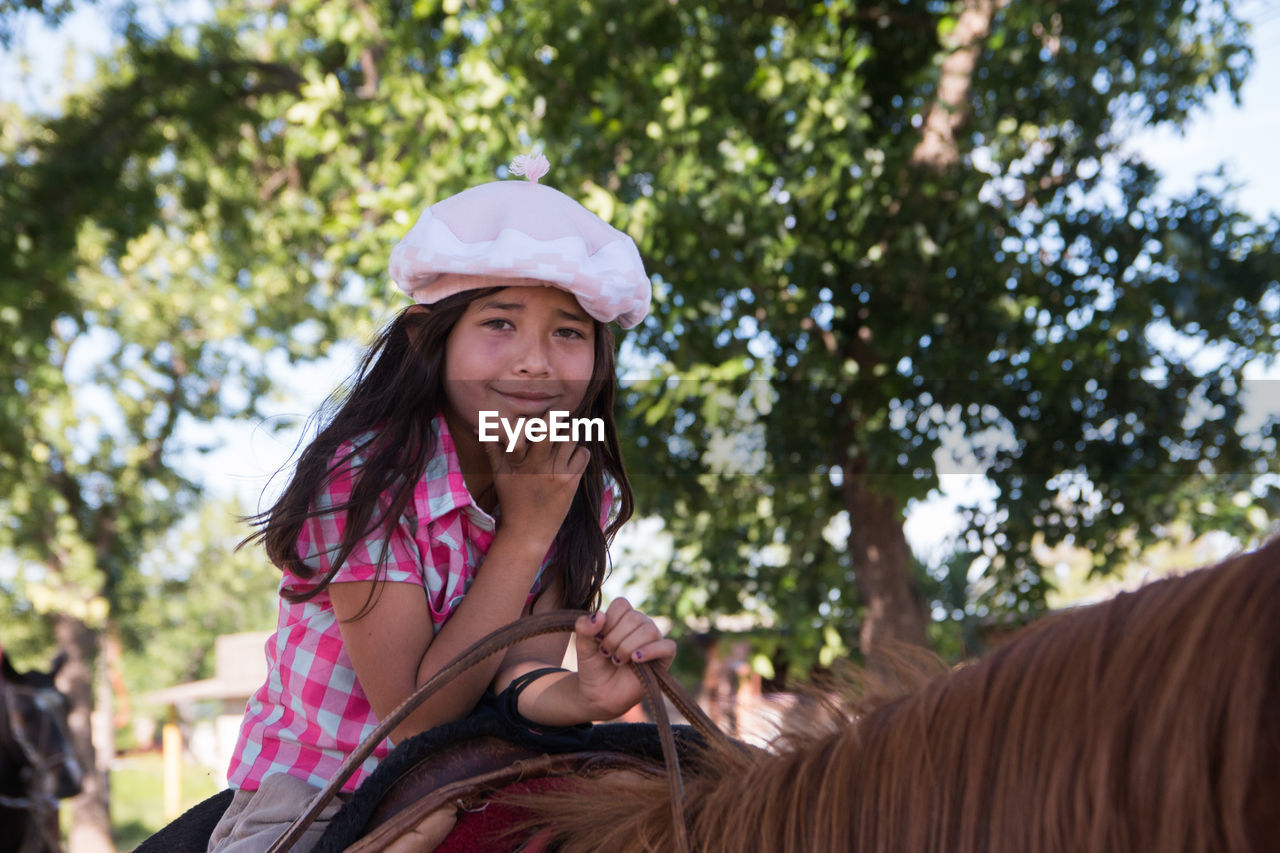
<point x="605" y="686"/>
<point x="390" y="644"/>
<point x="393" y="647"/>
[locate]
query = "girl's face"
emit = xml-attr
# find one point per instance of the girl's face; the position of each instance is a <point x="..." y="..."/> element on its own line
<point x="521" y="352"/>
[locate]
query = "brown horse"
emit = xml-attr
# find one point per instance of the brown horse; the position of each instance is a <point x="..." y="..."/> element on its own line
<point x="1149" y="722"/>
<point x="37" y="767"/>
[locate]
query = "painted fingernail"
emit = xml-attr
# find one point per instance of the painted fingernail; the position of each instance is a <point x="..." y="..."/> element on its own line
<point x="637" y="656"/>
<point x="604" y="651"/>
<point x="593" y="618"/>
<point x="614" y="658"/>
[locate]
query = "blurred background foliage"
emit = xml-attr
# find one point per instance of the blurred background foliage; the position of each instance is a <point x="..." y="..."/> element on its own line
<point x="881" y="234"/>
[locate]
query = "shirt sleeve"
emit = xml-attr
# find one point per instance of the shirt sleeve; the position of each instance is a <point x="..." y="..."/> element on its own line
<point x="320" y="540"/>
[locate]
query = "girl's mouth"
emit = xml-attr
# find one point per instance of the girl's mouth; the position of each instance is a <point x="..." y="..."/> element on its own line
<point x="529" y="400"/>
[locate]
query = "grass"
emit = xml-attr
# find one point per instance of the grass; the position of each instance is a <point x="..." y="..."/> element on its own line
<point x="137" y="795"/>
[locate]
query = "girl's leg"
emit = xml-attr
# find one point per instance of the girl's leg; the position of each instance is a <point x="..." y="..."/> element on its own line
<point x="255" y="819"/>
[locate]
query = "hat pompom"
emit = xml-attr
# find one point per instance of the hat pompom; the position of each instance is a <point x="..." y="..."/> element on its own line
<point x="532" y="166"/>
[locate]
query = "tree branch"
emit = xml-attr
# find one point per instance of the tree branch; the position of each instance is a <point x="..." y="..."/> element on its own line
<point x="950" y="109"/>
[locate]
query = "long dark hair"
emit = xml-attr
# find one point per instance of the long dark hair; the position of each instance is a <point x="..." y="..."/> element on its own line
<point x="394" y="395"/>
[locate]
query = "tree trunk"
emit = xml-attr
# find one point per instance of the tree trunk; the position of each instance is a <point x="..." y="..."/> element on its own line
<point x="882" y="565"/>
<point x="90" y="811"/>
<point x="877" y="542"/>
<point x="950" y="109"/>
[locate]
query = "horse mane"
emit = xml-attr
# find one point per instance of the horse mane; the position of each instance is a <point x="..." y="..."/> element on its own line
<point x="1147" y="722"/>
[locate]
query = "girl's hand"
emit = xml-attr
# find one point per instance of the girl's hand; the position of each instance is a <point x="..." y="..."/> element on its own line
<point x="607" y="646"/>
<point x="535" y="482"/>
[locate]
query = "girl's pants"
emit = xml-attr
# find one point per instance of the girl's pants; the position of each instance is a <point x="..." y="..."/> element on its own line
<point x="255" y="819"/>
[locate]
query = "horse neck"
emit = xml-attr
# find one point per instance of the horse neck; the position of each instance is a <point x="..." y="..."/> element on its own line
<point x="1132" y="724"/>
<point x="1150" y="722"/>
<point x="12" y="758"/>
<point x="1146" y="722"/>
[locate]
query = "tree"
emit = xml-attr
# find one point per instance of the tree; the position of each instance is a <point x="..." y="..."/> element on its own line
<point x="124" y="325"/>
<point x="878" y="225"/>
<point x="12" y="10"/>
<point x="197" y="586"/>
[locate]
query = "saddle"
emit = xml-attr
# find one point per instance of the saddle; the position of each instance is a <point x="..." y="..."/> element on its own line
<point x="465" y="762"/>
<point x="462" y="765"/>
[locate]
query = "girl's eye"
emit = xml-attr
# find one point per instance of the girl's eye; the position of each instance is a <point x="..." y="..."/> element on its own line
<point x="572" y="334"/>
<point x="497" y="323"/>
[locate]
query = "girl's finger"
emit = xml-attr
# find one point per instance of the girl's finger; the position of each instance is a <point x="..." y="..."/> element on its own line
<point x="576" y="462"/>
<point x="618" y="608"/>
<point x="589" y="625"/>
<point x="632" y="643"/>
<point x="663" y="650"/>
<point x="493" y="450"/>
<point x="632" y="632"/>
<point x="506" y="459"/>
<point x="617" y="631"/>
<point x="561" y="454"/>
<point x="623" y="644"/>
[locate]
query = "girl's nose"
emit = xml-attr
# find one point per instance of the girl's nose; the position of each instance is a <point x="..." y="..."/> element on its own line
<point x="533" y="359"/>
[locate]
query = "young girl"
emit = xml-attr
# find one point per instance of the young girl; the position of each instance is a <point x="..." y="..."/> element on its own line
<point x="403" y="538"/>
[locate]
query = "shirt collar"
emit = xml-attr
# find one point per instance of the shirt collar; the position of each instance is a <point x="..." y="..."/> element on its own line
<point x="442" y="488"/>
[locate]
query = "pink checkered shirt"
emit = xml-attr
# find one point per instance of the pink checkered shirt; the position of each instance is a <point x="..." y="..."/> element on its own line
<point x="311" y="712"/>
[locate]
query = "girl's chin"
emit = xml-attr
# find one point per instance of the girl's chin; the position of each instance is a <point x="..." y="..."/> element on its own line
<point x="492" y="420"/>
<point x="506" y="411"/>
<point x="514" y="413"/>
<point x="513" y="409"/>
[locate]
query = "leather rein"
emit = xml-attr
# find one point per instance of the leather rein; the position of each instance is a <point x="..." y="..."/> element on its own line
<point x="656" y="681"/>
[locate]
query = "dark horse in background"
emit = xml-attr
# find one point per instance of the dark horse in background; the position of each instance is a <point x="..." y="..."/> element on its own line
<point x="37" y="767"/>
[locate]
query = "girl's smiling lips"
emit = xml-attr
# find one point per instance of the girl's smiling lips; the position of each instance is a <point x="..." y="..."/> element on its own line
<point x="528" y="398"/>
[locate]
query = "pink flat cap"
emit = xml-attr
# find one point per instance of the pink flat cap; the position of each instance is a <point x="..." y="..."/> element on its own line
<point x="529" y="234"/>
